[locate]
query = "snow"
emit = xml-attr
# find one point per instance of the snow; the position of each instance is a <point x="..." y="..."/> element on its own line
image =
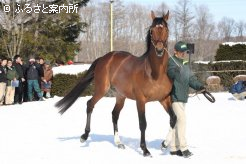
<point x="34" y="132"/>
<point x="233" y="43"/>
<point x="70" y="69"/>
<point x="202" y="62"/>
<point x="221" y="61"/>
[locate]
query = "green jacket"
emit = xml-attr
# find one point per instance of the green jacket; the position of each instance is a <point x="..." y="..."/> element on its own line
<point x="182" y="78"/>
<point x="11" y="74"/>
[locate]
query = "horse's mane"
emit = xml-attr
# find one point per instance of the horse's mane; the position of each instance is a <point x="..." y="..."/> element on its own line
<point x="148" y="42"/>
<point x="156" y="21"/>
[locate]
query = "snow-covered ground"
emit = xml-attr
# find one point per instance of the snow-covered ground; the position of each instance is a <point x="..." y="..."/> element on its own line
<point x="34" y="133"/>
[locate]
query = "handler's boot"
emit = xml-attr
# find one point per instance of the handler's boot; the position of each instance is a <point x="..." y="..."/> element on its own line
<point x="187" y="153"/>
<point x="178" y="153"/>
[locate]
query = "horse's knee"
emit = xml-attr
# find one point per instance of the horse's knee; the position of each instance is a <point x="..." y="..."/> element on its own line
<point x="117" y="109"/>
<point x="142" y="121"/>
<point x="143" y="124"/>
<point x="90" y="106"/>
<point x="115" y="116"/>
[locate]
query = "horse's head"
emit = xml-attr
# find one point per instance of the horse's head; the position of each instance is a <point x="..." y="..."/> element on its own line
<point x="159" y="33"/>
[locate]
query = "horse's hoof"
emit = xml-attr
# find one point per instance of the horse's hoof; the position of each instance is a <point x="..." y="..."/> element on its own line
<point x="163" y="145"/>
<point x="147" y="154"/>
<point x="121" y="146"/>
<point x="83" y="138"/>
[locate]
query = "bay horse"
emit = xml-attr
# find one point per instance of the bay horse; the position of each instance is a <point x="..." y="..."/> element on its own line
<point x="143" y="79"/>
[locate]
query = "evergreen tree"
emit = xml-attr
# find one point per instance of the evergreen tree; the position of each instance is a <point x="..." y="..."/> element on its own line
<point x="51" y="35"/>
<point x="227" y="52"/>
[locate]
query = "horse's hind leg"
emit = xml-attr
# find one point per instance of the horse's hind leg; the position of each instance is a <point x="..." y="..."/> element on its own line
<point x="100" y="91"/>
<point x="90" y="106"/>
<point x="115" y="116"/>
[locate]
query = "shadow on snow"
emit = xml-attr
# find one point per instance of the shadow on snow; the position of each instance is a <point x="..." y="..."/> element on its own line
<point x="132" y="143"/>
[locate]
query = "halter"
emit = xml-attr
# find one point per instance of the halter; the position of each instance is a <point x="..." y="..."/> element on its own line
<point x="154" y="42"/>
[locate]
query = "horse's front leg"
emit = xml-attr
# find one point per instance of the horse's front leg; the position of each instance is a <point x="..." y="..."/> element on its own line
<point x="166" y="103"/>
<point x="142" y="126"/>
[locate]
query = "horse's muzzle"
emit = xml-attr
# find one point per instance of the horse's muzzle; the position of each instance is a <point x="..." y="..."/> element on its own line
<point x="159" y="48"/>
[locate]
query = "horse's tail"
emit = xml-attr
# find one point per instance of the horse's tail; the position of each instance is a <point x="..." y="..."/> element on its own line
<point x="73" y="95"/>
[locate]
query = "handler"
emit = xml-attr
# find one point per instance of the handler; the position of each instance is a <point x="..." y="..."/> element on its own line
<point x="182" y="77"/>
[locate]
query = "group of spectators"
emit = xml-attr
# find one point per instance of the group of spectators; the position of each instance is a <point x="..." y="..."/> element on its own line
<point x="22" y="82"/>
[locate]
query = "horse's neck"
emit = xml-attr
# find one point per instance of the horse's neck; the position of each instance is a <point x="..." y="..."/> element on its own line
<point x="158" y="65"/>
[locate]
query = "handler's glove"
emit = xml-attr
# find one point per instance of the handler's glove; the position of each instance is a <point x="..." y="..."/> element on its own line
<point x="202" y="89"/>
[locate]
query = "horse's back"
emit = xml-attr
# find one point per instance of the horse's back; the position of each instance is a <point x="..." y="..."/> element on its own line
<point x="115" y="60"/>
<point x="117" y="68"/>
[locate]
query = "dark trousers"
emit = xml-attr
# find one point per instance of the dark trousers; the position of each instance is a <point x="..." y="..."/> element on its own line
<point x="19" y="93"/>
<point x="33" y="85"/>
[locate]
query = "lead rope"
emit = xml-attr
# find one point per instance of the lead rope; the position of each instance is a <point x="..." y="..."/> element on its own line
<point x="195" y="94"/>
<point x="171" y="57"/>
<point x="207" y="94"/>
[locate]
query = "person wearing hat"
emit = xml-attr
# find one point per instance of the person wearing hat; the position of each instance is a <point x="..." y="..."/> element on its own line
<point x="182" y="77"/>
<point x="33" y="74"/>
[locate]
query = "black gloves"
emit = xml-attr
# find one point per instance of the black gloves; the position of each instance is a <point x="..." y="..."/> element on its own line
<point x="202" y="89"/>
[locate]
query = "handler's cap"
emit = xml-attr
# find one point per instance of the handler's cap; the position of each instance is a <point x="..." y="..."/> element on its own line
<point x="181" y="46"/>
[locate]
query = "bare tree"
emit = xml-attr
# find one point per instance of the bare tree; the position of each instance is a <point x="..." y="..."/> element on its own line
<point x="226" y="27"/>
<point x="240" y="30"/>
<point x="87" y="15"/>
<point x="12" y="24"/>
<point x="204" y="31"/>
<point x="131" y="23"/>
<point x="95" y="42"/>
<point x="130" y="29"/>
<point x="162" y="9"/>
<point x="120" y="24"/>
<point x="183" y="20"/>
<point x="16" y="21"/>
<point x="138" y="21"/>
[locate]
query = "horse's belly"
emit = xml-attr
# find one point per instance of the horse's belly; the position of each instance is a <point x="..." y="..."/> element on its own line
<point x="156" y="94"/>
<point x="155" y="91"/>
<point x="124" y="87"/>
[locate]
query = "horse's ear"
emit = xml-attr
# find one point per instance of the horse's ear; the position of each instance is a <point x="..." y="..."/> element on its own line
<point x="152" y="15"/>
<point x="165" y="17"/>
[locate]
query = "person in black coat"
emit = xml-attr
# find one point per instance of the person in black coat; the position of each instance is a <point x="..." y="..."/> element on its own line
<point x="33" y="75"/>
<point x="18" y="64"/>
